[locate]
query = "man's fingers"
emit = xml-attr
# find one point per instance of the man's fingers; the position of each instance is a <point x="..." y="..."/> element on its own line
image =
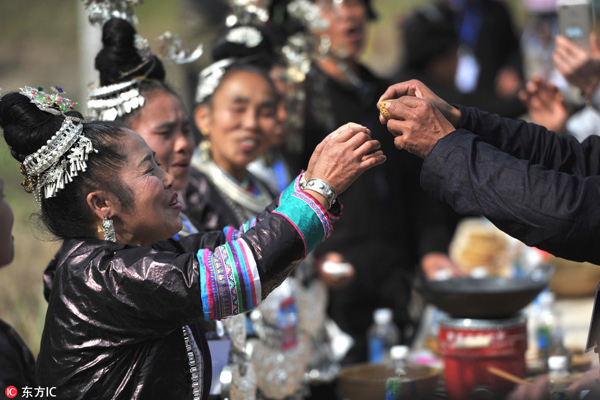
<point x="403" y="108"/>
<point x="396" y="127"/>
<point x="408" y="88"/>
<point x="399" y="142"/>
<point x="395" y="91"/>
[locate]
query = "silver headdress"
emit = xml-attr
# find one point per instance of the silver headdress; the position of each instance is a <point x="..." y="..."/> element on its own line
<point x="210" y="78"/>
<point x="47" y="169"/>
<point x="247" y="36"/>
<point x="106" y="103"/>
<point x="101" y="11"/>
<point x="309" y="14"/>
<point x="248" y="12"/>
<point x="174" y="50"/>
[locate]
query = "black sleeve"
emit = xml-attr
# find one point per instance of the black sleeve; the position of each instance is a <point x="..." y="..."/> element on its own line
<point x="555" y="211"/>
<point x="534" y="143"/>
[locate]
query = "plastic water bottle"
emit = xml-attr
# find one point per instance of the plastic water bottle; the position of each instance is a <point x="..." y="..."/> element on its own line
<point x="545" y="321"/>
<point x="381" y="336"/>
<point x="559" y="376"/>
<point x="400" y="385"/>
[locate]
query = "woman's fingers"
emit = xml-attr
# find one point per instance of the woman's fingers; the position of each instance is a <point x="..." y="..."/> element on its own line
<point x="367" y="147"/>
<point x="371" y="161"/>
<point x="372" y="155"/>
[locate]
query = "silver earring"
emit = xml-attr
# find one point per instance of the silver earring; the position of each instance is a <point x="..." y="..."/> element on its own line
<point x="324" y="45"/>
<point x="109" y="230"/>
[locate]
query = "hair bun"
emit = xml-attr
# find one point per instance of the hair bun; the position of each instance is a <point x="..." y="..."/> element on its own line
<point x="243" y="42"/>
<point x="26" y="127"/>
<point x="119" y="59"/>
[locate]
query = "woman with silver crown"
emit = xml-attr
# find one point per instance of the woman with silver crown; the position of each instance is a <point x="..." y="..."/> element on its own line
<point x="126" y="296"/>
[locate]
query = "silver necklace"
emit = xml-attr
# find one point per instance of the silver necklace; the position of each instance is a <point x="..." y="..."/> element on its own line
<point x="195" y="361"/>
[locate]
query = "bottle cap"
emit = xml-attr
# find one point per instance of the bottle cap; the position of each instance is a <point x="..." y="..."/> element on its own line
<point x="557" y="362"/>
<point x="399" y="352"/>
<point x="546" y="298"/>
<point x="382" y="316"/>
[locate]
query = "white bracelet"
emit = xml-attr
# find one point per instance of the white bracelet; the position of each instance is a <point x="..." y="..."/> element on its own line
<point x="323" y="188"/>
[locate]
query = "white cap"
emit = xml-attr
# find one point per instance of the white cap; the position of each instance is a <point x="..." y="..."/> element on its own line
<point x="557" y="362"/>
<point x="479" y="273"/>
<point x="546" y="297"/>
<point x="399" y="352"/>
<point x="382" y="316"/>
<point x="442" y="275"/>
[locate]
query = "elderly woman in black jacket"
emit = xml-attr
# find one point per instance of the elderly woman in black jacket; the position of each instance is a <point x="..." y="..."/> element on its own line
<point x="125" y="298"/>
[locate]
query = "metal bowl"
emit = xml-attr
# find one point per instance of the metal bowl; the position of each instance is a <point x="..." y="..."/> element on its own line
<point x="367" y="381"/>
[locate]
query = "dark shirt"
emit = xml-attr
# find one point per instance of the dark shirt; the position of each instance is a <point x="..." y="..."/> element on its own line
<point x="204" y="205"/>
<point x="538" y="187"/>
<point x="389" y="222"/>
<point x="16" y="361"/>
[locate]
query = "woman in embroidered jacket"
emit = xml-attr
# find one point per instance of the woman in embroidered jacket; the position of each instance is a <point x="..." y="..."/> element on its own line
<point x="125" y="299"/>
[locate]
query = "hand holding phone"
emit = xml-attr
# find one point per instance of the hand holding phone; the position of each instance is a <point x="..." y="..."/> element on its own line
<point x="575" y="21"/>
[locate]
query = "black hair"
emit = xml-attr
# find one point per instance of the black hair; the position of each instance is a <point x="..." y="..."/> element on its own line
<point x="119" y="61"/>
<point x="427" y="34"/>
<point x="67" y="215"/>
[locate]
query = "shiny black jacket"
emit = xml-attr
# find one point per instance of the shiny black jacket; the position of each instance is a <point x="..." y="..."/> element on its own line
<point x="114" y="324"/>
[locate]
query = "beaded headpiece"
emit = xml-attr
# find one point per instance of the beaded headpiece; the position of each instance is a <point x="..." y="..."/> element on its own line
<point x="47" y="170"/>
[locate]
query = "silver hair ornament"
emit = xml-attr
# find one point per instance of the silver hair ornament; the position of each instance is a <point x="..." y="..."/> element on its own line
<point x="107" y="103"/>
<point x="174" y="50"/>
<point x="100" y="11"/>
<point x="142" y="47"/>
<point x="210" y="78"/>
<point x="247" y="36"/>
<point x="44" y="169"/>
<point x="250" y="11"/>
<point x="55" y="104"/>
<point x="309" y="14"/>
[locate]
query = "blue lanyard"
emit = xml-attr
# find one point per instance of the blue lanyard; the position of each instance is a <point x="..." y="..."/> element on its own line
<point x="280" y="175"/>
<point x="468" y="22"/>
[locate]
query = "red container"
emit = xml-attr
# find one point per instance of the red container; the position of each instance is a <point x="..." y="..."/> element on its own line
<point x="470" y="346"/>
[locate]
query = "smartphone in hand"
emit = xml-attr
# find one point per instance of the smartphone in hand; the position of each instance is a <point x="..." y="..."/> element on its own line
<point x="575" y="21"/>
